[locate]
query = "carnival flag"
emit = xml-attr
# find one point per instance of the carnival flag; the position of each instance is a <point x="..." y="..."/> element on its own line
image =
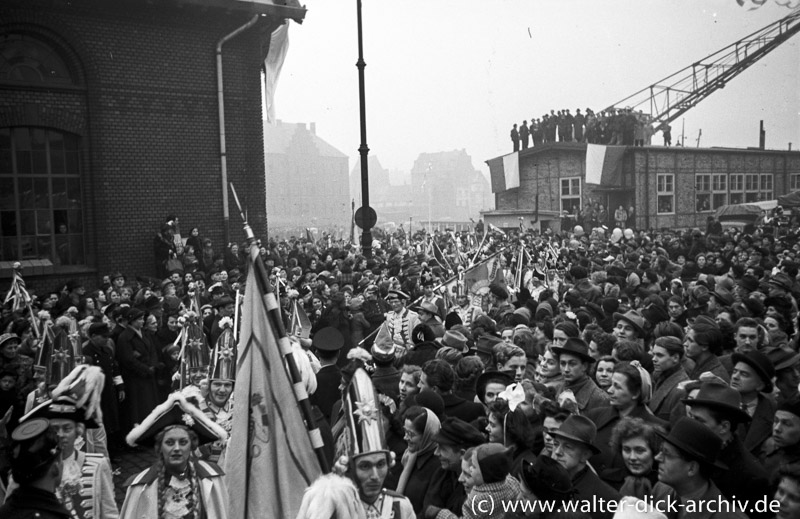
<point x="504" y="172"/>
<point x="270" y="458"/>
<point x="278" y="46"/>
<point x="604" y="164"/>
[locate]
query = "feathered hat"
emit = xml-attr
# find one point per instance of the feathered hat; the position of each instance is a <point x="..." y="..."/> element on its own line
<point x="177" y="410"/>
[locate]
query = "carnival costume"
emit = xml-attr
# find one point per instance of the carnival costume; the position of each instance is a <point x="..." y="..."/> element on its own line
<point x="197" y="493"/>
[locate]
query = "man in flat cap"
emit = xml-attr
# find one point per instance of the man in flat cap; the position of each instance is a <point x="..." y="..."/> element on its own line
<point x="400" y="321"/>
<point x="454" y="438"/>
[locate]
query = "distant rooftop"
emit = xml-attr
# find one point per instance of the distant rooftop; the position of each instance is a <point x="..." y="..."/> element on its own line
<point x="278" y="138"/>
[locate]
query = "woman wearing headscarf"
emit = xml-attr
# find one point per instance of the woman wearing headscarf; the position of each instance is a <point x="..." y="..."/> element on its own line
<point x="421" y="425"/>
<point x="631" y="389"/>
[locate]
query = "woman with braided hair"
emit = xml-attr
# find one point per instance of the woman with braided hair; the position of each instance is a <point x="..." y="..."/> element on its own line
<point x="178" y="485"/>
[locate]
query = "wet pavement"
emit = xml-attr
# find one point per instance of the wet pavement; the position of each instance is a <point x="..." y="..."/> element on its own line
<point x="129" y="464"/>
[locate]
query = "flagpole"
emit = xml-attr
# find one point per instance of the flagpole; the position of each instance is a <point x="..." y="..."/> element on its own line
<point x="480" y="246"/>
<point x="273" y="314"/>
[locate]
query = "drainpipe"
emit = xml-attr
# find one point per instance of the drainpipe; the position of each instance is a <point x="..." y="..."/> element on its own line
<point x="223" y="159"/>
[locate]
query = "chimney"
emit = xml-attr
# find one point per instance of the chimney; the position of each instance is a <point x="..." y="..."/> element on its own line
<point x="762" y="135"/>
<point x="313" y="128"/>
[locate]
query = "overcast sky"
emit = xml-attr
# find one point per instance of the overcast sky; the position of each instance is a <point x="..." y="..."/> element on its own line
<point x="452" y="74"/>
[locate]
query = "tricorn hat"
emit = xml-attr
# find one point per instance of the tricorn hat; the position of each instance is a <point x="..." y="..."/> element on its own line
<point x="176" y="411"/>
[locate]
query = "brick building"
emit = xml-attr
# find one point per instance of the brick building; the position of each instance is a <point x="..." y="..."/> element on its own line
<point x="307" y="182"/>
<point x="669" y="187"/>
<point x="109" y="122"/>
<point x="447" y="189"/>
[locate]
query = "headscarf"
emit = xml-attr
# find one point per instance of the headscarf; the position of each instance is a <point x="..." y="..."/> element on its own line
<point x="647" y="383"/>
<point x="427" y="444"/>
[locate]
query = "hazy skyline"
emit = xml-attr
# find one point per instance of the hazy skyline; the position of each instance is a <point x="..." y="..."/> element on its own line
<point x="450" y="75"/>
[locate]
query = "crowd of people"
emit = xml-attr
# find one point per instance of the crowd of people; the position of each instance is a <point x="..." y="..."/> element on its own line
<point x="583" y="367"/>
<point x="613" y="126"/>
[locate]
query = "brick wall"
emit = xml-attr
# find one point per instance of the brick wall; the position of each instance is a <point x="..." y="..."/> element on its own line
<point x="147" y="115"/>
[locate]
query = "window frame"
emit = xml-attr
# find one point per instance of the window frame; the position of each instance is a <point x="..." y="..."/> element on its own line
<point x="572" y="183"/>
<point x="668" y="181"/>
<point x="46" y="194"/>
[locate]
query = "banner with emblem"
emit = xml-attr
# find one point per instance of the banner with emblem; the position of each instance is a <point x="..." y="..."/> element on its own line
<point x="270" y="458"/>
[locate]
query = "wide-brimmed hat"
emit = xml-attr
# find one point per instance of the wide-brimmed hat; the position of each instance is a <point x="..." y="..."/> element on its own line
<point x="487" y="377"/>
<point x="695" y="440"/>
<point x="655" y="314"/>
<point x="760" y="363"/>
<point x="782" y="358"/>
<point x="579" y="429"/>
<point x="574" y="346"/>
<point x="723" y="295"/>
<point x="547" y="479"/>
<point x="721" y="397"/>
<point x="485" y="343"/>
<point x="633" y="318"/>
<point x="430" y="308"/>
<point x="176" y="410"/>
<point x="454" y="340"/>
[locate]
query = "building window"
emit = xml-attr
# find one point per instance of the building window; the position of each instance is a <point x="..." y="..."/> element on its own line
<point x="41" y="207"/>
<point x="719" y="188"/>
<point x="794" y="182"/>
<point x="28" y="60"/>
<point x="571" y="195"/>
<point x="737" y="189"/>
<point x="665" y="185"/>
<point x="751" y="188"/>
<point x="765" y="192"/>
<point x="702" y="187"/>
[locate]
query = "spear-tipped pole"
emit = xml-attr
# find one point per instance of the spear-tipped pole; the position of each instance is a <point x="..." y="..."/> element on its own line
<point x="273" y="314"/>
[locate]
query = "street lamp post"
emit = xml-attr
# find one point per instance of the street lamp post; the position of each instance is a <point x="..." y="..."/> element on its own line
<point x="366" y="234"/>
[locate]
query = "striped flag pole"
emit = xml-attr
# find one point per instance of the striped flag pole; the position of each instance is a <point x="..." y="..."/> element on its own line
<point x="273" y="313"/>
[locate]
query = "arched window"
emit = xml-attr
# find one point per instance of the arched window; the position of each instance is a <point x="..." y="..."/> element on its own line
<point x="28" y="60"/>
<point x="41" y="208"/>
